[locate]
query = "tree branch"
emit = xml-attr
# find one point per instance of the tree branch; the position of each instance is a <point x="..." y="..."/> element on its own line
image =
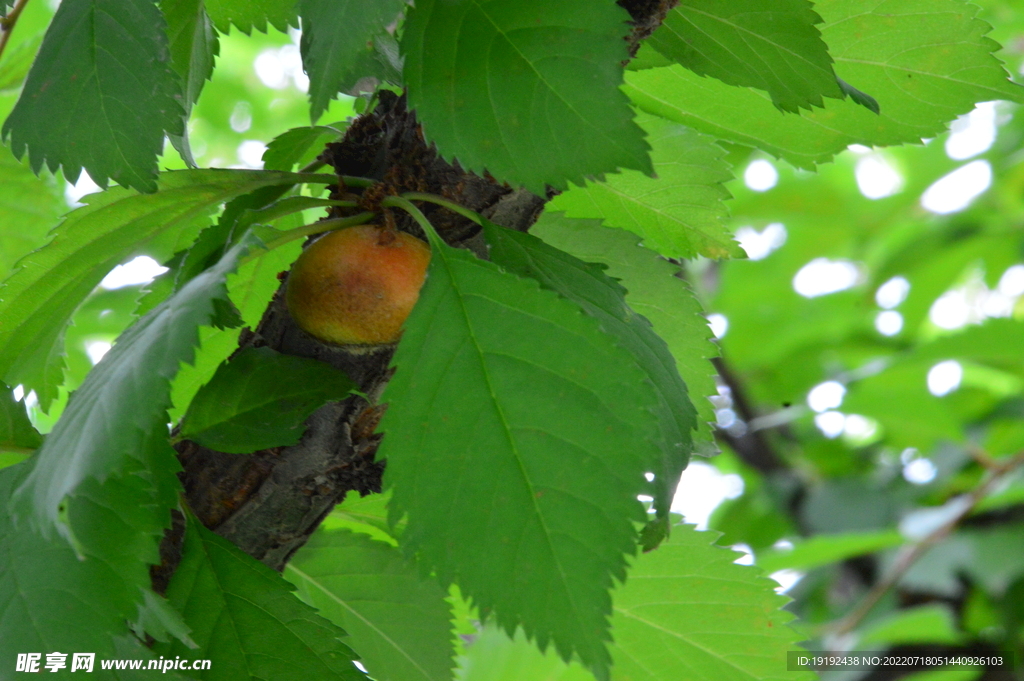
<point x="910" y="554"/>
<point x="647" y="16"/>
<point x="7" y="23"/>
<point x="752" y="446"/>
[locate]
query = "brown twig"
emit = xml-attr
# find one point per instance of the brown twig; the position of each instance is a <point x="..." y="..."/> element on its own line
<point x="7" y="23"/>
<point x="910" y="554"/>
<point x="753" y="446"/>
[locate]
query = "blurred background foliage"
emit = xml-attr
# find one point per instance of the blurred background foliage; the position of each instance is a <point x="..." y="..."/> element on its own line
<point x="872" y="367"/>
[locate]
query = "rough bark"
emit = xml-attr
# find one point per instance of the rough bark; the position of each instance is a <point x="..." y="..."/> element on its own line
<point x="646" y="16"/>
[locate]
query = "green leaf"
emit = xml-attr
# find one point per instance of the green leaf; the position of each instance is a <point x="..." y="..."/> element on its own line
<point x="250" y="14"/>
<point x="261" y="399"/>
<point x="688" y="611"/>
<point x="397" y="622"/>
<point x="647" y="58"/>
<point x="37" y="301"/>
<point x="603" y="299"/>
<point x="772" y="45"/>
<point x="30" y="207"/>
<point x="336" y="59"/>
<point x="862" y="98"/>
<point x="512" y="411"/>
<point x="990" y="557"/>
<point x="925" y="61"/>
<point x="367" y="515"/>
<point x="111" y="421"/>
<point x="680" y="213"/>
<point x="655" y="290"/>
<point x="102" y="84"/>
<point x="213" y="241"/>
<point x="193" y="46"/>
<point x="899" y="400"/>
<point x="245" y="616"/>
<point x="53" y="600"/>
<point x="251" y="289"/>
<point x="17" y="61"/>
<point x="300" y="145"/>
<point x="528" y="91"/>
<point x="16" y="430"/>
<point x="998" y="342"/>
<point x="929" y="624"/>
<point x="495" y="657"/>
<point x="260" y="217"/>
<point x="827" y="549"/>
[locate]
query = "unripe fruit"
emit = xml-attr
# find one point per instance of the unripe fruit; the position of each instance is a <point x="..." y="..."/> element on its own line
<point x="356" y="286"/>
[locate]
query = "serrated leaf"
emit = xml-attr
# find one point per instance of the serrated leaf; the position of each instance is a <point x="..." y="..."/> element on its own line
<point x="772" y="45"/>
<point x="37" y="301"/>
<point x="294" y="146"/>
<point x="246" y="616"/>
<point x="366" y="515"/>
<point x="511" y="411"/>
<point x="681" y="213"/>
<point x="251" y="289"/>
<point x="336" y="59"/>
<point x="17" y="61"/>
<point x="688" y="611"/>
<point x="29" y="208"/>
<point x="193" y="46"/>
<point x="528" y="91"/>
<point x="261" y="399"/>
<point x="53" y="600"/>
<point x="260" y="218"/>
<point x="397" y="622"/>
<point x="250" y="14"/>
<point x="109" y="423"/>
<point x="647" y="58"/>
<point x="159" y="619"/>
<point x="16" y="430"/>
<point x="603" y="299"/>
<point x="211" y="243"/>
<point x="102" y="84"/>
<point x="924" y="61"/>
<point x="494" y="657"/>
<point x="656" y="291"/>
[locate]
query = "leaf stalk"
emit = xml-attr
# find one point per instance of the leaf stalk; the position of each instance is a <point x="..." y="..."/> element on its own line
<point x="417" y="215"/>
<point x="328" y="225"/>
<point x="450" y="205"/>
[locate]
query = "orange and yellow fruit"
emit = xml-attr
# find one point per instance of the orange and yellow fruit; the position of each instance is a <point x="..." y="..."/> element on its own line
<point x="356" y="286"/>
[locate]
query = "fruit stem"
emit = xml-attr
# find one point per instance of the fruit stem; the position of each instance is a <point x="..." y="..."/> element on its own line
<point x="353" y="181"/>
<point x="328" y="225"/>
<point x="450" y="205"/>
<point x="417" y="215"/>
